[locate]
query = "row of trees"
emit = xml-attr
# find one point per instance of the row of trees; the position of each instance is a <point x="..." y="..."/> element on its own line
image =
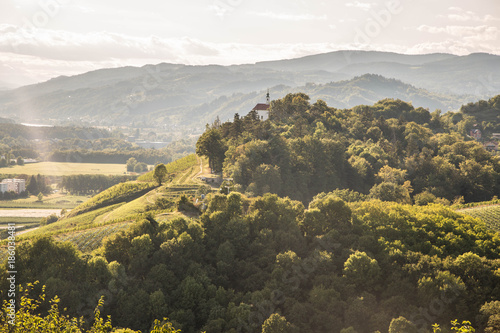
<point x="79" y="144"/>
<point x="90" y="184"/>
<point x="6" y="161"/>
<point x="38" y="184"/>
<point x="134" y="166"/>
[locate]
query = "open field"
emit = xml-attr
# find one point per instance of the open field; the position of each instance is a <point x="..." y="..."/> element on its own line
<point x="53" y="201"/>
<point x="13" y="212"/>
<point x="18" y="220"/>
<point x="66" y="169"/>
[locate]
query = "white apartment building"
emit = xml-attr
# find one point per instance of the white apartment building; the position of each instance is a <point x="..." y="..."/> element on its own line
<point x="14" y="185"/>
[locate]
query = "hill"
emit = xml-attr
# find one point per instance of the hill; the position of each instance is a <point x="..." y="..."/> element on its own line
<point x="474" y="74"/>
<point x="390" y="150"/>
<point x="168" y="94"/>
<point x="246" y="263"/>
<point x="353" y="255"/>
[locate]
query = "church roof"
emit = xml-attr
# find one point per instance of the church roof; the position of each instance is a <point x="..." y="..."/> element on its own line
<point x="261" y="107"/>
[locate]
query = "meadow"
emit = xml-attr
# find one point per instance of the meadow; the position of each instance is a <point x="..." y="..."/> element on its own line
<point x="53" y="201"/>
<point x="66" y="169"/>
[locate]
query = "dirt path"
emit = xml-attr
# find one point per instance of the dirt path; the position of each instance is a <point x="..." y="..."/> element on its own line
<point x="201" y="168"/>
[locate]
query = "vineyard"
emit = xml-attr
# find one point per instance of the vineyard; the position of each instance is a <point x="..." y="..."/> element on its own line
<point x="119" y="193"/>
<point x="116" y="208"/>
<point x="90" y="239"/>
<point x="490" y="215"/>
<point x="175" y="191"/>
<point x="80" y="222"/>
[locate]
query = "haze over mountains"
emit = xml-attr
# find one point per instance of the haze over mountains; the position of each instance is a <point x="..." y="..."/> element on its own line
<point x="173" y="94"/>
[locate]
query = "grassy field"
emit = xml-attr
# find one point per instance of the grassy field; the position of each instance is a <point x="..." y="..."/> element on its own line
<point x="53" y="201"/>
<point x="18" y="220"/>
<point x="177" y="168"/>
<point x="490" y="215"/>
<point x="66" y="169"/>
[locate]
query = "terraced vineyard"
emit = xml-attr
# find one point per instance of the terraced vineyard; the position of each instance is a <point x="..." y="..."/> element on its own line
<point x="490" y="215"/>
<point x="175" y="191"/>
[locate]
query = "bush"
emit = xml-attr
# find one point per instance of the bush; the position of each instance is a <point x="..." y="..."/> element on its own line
<point x="424" y="198"/>
<point x="49" y="219"/>
<point x="161" y="204"/>
<point x="185" y="205"/>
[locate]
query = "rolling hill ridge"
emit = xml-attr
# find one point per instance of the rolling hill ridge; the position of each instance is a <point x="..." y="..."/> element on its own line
<point x="193" y="95"/>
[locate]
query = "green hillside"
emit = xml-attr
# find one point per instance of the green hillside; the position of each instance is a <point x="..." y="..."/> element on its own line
<point x="337" y="220"/>
<point x="173" y="167"/>
<point x="115" y="209"/>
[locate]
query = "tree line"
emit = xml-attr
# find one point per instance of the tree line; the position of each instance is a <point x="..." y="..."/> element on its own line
<point x="90" y="184"/>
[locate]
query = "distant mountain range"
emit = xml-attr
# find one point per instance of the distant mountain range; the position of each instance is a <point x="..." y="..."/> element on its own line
<point x="172" y="94"/>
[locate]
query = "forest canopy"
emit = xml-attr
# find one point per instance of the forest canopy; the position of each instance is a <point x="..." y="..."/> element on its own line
<point x="252" y="263"/>
<point x="389" y="151"/>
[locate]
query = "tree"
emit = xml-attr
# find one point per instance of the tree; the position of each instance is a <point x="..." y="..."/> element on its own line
<point x="490" y="313"/>
<point x="131" y="162"/>
<point x="361" y="270"/>
<point x="28" y="317"/>
<point x="276" y="324"/>
<point x="159" y="173"/>
<point x="402" y="325"/>
<point x="20" y="161"/>
<point x="32" y="187"/>
<point x="40" y="196"/>
<point x="324" y="214"/>
<point x="140" y="167"/>
<point x="211" y="145"/>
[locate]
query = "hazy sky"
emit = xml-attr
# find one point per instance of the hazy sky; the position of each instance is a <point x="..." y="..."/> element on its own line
<point x="41" y="39"/>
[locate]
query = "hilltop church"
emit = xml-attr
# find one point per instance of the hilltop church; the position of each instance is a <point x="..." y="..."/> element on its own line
<point x="262" y="109"/>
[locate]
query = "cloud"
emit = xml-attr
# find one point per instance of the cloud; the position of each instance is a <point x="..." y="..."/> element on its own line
<point x="361" y="5"/>
<point x="291" y="17"/>
<point x="38" y="55"/>
<point x="106" y="47"/>
<point x="462" y="15"/>
<point x="480" y="33"/>
<point x="223" y="8"/>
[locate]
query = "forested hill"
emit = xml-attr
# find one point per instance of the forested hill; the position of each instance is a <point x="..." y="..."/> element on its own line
<point x="389" y="150"/>
<point x="486" y="114"/>
<point x="476" y="73"/>
<point x="335" y="261"/>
